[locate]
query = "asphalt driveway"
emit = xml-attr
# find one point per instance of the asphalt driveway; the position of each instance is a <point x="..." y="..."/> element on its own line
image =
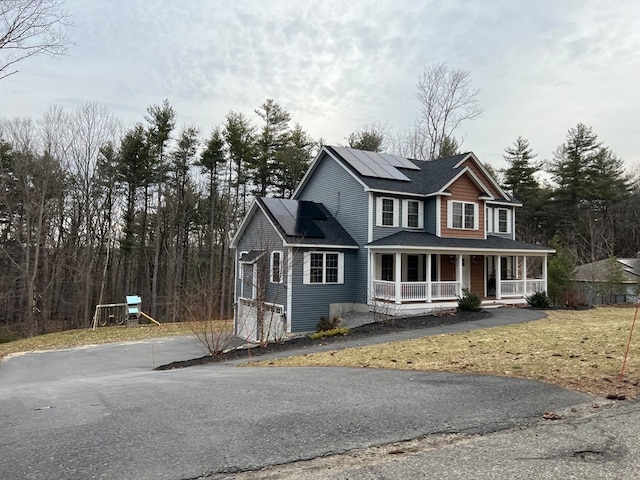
<point x="102" y="412"/>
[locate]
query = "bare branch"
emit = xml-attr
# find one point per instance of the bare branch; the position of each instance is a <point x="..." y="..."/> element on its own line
<point x="29" y="28"/>
<point x="447" y="99"/>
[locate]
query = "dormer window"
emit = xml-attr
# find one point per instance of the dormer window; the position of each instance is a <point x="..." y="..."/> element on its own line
<point x="463" y="215"/>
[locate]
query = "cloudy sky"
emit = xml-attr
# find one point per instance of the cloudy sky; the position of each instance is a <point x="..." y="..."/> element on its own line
<point x="541" y="66"/>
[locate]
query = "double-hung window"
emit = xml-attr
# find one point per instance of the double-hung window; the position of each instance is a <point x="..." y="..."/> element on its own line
<point x="463" y="215"/>
<point x="503" y="221"/>
<point x="387" y="212"/>
<point x="323" y="267"/>
<point x="275" y="273"/>
<point x="413" y="214"/>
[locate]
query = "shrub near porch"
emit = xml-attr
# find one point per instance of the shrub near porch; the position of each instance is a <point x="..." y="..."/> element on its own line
<point x="581" y="350"/>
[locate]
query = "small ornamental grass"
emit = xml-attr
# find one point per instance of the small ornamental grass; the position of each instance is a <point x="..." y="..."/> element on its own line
<point x="329" y="333"/>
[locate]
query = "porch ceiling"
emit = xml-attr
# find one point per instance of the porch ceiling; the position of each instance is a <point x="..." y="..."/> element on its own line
<point x="492" y="245"/>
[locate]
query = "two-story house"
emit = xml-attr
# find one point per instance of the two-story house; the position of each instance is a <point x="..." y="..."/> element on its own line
<point x="406" y="236"/>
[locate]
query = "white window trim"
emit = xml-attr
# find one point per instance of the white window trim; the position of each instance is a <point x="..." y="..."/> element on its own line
<point x="476" y="217"/>
<point x="405" y="214"/>
<point x="306" y="270"/>
<point x="496" y="228"/>
<point x="379" y="211"/>
<point x="280" y="276"/>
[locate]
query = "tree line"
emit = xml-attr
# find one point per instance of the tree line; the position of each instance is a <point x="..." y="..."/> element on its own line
<point x="91" y="212"/>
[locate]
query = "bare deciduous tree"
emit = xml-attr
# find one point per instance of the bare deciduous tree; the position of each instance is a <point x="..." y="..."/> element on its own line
<point x="29" y="28"/>
<point x="447" y="99"/>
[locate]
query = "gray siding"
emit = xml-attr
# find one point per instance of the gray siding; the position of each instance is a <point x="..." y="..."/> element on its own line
<point x="347" y="201"/>
<point x="311" y="302"/>
<point x="381" y="232"/>
<point x="260" y="235"/>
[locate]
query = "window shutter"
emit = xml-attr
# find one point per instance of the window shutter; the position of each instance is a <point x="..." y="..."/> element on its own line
<point x="396" y="212"/>
<point x="378" y="211"/>
<point x="306" y="269"/>
<point x="449" y="214"/>
<point x="340" y="267"/>
<point x="476" y="217"/>
<point x="420" y="214"/>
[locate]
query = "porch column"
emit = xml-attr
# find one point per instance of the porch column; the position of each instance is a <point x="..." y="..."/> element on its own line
<point x="524" y="276"/>
<point x="498" y="277"/>
<point x="459" y="274"/>
<point x="544" y="273"/>
<point x="428" y="277"/>
<point x="371" y="291"/>
<point x="398" y="277"/>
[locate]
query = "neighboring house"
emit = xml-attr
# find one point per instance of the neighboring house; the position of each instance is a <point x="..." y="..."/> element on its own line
<point x="395" y="235"/>
<point x="614" y="280"/>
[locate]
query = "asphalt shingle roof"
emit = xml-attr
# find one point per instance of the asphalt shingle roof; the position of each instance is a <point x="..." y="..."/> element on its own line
<point x="431" y="178"/>
<point x="312" y="222"/>
<point x="423" y="239"/>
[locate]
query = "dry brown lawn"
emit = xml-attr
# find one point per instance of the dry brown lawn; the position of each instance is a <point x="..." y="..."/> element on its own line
<point x="75" y="338"/>
<point x="580" y="350"/>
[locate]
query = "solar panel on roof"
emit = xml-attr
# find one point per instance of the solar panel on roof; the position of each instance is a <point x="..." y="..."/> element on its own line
<point x="376" y="165"/>
<point x="296" y="218"/>
<point x="395" y="173"/>
<point x="398" y="161"/>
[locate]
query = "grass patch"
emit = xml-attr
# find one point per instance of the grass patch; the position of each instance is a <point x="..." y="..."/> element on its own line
<point x="581" y="350"/>
<point x="329" y="333"/>
<point x="76" y="338"/>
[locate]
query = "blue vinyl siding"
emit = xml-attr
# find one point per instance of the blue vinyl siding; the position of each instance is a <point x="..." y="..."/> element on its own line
<point x="347" y="201"/>
<point x="260" y="235"/>
<point x="311" y="302"/>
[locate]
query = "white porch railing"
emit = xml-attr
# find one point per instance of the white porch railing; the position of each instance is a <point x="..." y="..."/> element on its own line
<point x="416" y="291"/>
<point x="516" y="288"/>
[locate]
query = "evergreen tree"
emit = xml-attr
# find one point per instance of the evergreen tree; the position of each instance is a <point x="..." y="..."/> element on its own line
<point x="561" y="271"/>
<point x="270" y="143"/>
<point x="293" y="161"/>
<point x="448" y="148"/>
<point x="371" y="138"/>
<point x="520" y="181"/>
<point x="590" y="181"/>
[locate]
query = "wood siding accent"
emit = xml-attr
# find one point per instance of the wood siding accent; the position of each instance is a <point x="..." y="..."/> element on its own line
<point x="483" y="178"/>
<point x="447" y="269"/>
<point x="463" y="190"/>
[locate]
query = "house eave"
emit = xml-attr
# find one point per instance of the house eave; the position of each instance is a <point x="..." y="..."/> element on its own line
<point x="319" y="245"/>
<point x="471" y="250"/>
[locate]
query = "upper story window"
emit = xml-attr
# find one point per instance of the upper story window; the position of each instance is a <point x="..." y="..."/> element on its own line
<point x="503" y="220"/>
<point x="275" y="271"/>
<point x="463" y="215"/>
<point x="323" y="267"/>
<point x="413" y="214"/>
<point x="386" y="212"/>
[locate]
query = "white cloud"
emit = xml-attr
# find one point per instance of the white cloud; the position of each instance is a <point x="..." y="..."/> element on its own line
<point x="542" y="67"/>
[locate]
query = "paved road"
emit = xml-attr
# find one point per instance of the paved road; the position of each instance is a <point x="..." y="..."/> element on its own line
<point x="101" y="412"/>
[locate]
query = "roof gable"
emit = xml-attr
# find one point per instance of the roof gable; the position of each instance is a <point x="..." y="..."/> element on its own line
<point x="398" y="175"/>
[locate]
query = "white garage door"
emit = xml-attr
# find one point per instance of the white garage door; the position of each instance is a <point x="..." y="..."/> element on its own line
<point x="247" y="324"/>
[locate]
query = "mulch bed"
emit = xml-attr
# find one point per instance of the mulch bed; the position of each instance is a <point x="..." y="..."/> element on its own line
<point x="371" y="329"/>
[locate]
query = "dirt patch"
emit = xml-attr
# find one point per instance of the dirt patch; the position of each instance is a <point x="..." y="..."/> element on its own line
<point x="382" y="327"/>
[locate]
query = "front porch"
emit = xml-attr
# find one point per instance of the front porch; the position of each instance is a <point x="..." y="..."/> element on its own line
<point x="413" y="278"/>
